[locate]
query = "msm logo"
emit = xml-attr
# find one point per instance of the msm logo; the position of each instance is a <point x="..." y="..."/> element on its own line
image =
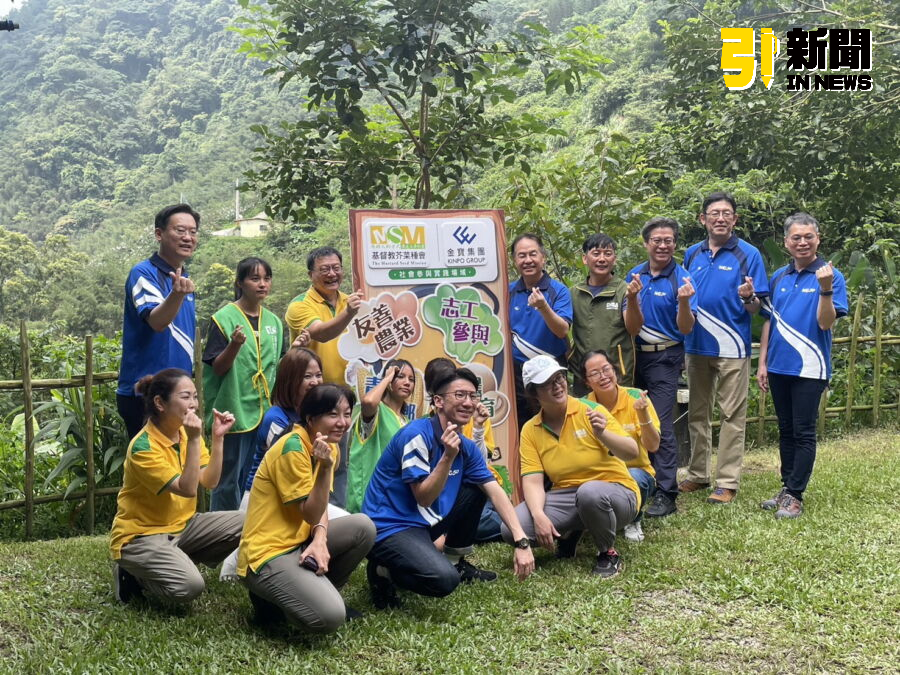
<point x="404" y="236"/>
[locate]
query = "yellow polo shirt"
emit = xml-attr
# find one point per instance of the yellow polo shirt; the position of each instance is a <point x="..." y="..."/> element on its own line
<point x="145" y="506"/>
<point x="627" y="416"/>
<point x="305" y="310"/>
<point x="285" y="478"/>
<point x="575" y="456"/>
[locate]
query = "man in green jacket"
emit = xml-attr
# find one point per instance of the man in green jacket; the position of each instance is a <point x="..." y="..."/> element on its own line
<point x="598" y="313"/>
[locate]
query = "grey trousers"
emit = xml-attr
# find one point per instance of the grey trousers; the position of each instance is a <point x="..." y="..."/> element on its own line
<point x="165" y="565"/>
<point x="599" y="507"/>
<point x="310" y="601"/>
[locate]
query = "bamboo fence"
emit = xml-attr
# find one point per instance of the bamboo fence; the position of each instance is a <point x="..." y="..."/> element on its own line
<point x="27" y="385"/>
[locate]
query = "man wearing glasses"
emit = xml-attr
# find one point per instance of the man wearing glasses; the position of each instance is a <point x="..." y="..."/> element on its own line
<point x="659" y="312"/>
<point x="159" y="319"/>
<point x="324" y="312"/>
<point x="432" y="481"/>
<point x="730" y="279"/>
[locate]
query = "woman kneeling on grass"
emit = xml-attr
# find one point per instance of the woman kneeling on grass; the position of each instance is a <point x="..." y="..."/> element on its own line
<point x="634" y="411"/>
<point x="582" y="449"/>
<point x="292" y="559"/>
<point x="156" y="537"/>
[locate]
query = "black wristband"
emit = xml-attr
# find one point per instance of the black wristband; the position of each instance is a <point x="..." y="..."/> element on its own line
<point x="825" y="294"/>
<point x="748" y="300"/>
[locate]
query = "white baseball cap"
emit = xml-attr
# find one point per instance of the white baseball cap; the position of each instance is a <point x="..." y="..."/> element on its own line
<point x="540" y="369"/>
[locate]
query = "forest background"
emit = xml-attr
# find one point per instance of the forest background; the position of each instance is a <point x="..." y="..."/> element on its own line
<point x="112" y="109"/>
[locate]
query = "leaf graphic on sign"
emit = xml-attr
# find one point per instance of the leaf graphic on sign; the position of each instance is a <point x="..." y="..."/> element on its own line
<point x="468" y="325"/>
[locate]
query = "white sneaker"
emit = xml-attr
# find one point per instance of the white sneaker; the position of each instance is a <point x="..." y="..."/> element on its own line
<point x="229" y="567"/>
<point x="633" y="532"/>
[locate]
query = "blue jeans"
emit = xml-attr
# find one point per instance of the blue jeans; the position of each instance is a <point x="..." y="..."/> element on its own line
<point x="489" y="525"/>
<point x="237" y="454"/>
<point x="647" y="486"/>
<point x="796" y="402"/>
<point x="413" y="561"/>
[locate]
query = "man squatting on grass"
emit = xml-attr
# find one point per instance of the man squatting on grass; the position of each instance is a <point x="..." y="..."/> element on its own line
<point x="432" y="481"/>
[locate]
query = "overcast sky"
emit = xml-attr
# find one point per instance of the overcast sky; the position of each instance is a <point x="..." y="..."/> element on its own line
<point x="6" y="5"/>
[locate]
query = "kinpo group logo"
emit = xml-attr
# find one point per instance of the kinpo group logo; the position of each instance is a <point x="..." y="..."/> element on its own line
<point x="808" y="52"/>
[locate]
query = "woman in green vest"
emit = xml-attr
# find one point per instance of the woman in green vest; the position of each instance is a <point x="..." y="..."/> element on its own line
<point x="383" y="411"/>
<point x="243" y="346"/>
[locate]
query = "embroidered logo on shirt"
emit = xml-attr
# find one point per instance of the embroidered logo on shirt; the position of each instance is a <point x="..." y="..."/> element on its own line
<point x="580" y="433"/>
<point x="612" y="305"/>
<point x="726" y="268"/>
<point x="661" y="294"/>
<point x="808" y="290"/>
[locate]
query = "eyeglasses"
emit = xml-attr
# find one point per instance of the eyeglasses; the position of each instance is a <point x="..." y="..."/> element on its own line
<point x="182" y="231"/>
<point x="607" y="370"/>
<point x="559" y="378"/>
<point x="727" y="215"/>
<point x="797" y="238"/>
<point x="325" y="269"/>
<point x="460" y="395"/>
<point x="661" y="241"/>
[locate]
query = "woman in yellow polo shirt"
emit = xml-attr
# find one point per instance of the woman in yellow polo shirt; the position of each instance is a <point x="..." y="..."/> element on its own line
<point x="292" y="559"/>
<point x="156" y="537"/>
<point x="582" y="450"/>
<point x="633" y="409"/>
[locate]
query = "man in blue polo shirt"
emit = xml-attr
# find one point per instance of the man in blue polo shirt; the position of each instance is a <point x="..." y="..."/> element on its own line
<point x="540" y="313"/>
<point x="659" y="312"/>
<point x="159" y="319"/>
<point x="807" y="296"/>
<point x="432" y="481"/>
<point x="730" y="279"/>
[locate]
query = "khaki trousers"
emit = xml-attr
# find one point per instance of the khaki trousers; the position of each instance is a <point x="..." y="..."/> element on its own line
<point x="726" y="381"/>
<point x="165" y="565"/>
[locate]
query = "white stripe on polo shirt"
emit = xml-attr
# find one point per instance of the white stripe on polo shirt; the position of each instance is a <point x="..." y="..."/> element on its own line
<point x="144" y="291"/>
<point x="528" y="349"/>
<point x="731" y="345"/>
<point x="813" y="360"/>
<point x="415" y="453"/>
<point x="653" y="337"/>
<point x="428" y="515"/>
<point x="186" y="343"/>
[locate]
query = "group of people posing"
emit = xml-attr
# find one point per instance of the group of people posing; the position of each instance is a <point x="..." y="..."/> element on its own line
<point x="306" y="483"/>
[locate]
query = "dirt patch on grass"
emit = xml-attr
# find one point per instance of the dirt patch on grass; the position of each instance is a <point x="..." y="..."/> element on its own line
<point x="13" y="638"/>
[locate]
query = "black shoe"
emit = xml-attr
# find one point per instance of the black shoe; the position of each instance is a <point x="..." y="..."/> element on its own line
<point x="660" y="506"/>
<point x="265" y="613"/>
<point x="566" y="546"/>
<point x="608" y="564"/>
<point x="469" y="573"/>
<point x="381" y="589"/>
<point x="125" y="585"/>
<point x="352" y="613"/>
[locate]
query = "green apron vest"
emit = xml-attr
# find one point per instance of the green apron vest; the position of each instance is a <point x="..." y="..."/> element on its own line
<point x="245" y="390"/>
<point x="364" y="453"/>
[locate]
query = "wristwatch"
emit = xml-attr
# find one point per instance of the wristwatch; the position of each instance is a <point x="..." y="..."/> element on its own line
<point x="522" y="543"/>
<point x="749" y="299"/>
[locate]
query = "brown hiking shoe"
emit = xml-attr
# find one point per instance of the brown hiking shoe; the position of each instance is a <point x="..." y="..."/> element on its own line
<point x="773" y="503"/>
<point x="691" y="486"/>
<point x="790" y="507"/>
<point x="721" y="496"/>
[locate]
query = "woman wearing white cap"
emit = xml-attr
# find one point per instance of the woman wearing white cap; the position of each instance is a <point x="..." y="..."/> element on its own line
<point x="582" y="450"/>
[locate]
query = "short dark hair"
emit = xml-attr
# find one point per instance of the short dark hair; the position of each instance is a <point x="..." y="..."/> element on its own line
<point x="161" y="384"/>
<point x="450" y="377"/>
<point x="437" y="370"/>
<point x="527" y="235"/>
<point x="245" y="268"/>
<point x="161" y="222"/>
<point x="800" y="218"/>
<point x="322" y="399"/>
<point x="289" y="377"/>
<point x="657" y="223"/>
<point x="321" y="252"/>
<point x="719" y="197"/>
<point x="598" y="240"/>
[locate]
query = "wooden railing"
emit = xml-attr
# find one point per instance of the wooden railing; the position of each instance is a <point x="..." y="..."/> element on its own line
<point x="89" y="379"/>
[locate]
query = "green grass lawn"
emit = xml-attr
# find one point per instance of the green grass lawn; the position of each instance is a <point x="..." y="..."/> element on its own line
<point x="713" y="589"/>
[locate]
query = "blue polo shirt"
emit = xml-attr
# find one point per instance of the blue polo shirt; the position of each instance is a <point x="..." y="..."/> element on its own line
<point x="144" y="351"/>
<point x="530" y="335"/>
<point x="410" y="457"/>
<point x="722" y="328"/>
<point x="659" y="303"/>
<point x="275" y="423"/>
<point x="797" y="346"/>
